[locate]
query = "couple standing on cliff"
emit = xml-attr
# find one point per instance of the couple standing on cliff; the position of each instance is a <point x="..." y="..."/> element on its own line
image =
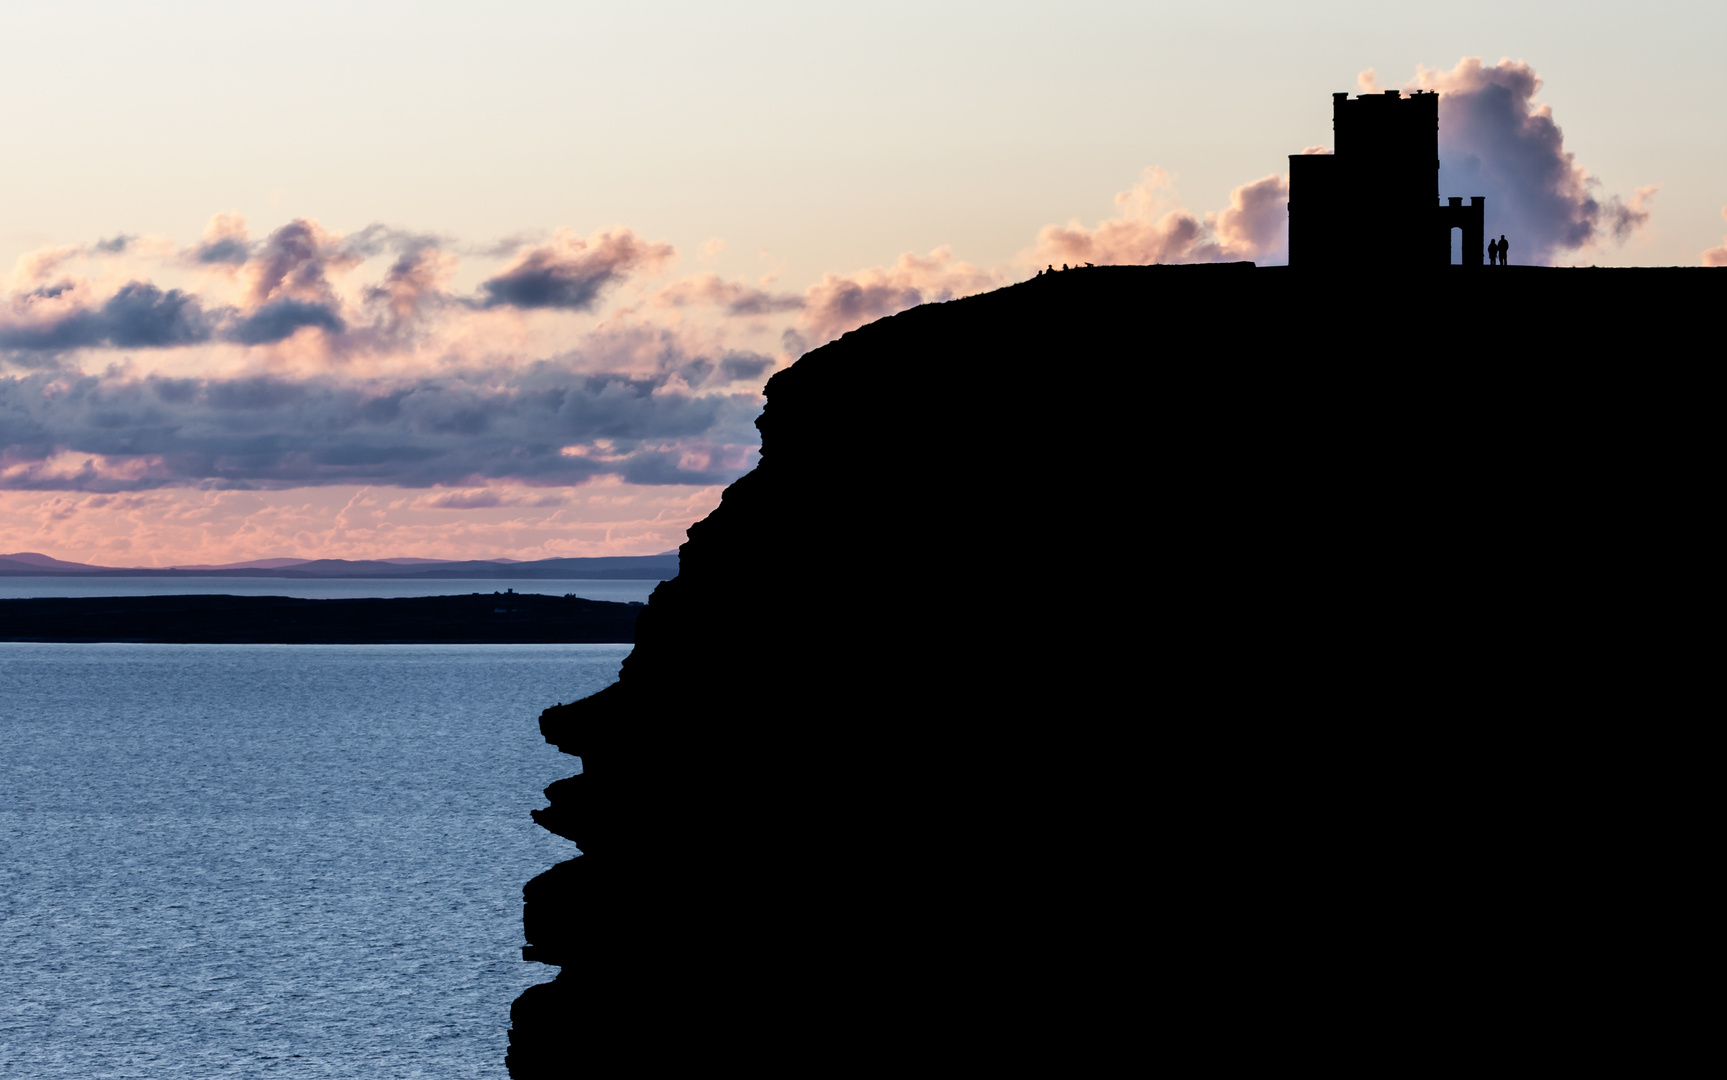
<point x="1496" y="251"/>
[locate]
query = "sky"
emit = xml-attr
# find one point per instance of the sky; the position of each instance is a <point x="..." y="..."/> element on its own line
<point x="505" y="280"/>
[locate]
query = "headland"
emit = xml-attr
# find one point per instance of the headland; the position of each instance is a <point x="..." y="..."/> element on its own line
<point x="1365" y="510"/>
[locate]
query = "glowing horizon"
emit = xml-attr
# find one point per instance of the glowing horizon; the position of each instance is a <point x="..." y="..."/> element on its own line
<point x="275" y="382"/>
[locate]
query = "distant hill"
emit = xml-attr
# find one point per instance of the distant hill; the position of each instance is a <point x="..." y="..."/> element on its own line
<point x="254" y="564"/>
<point x="628" y="567"/>
<point x="34" y="562"/>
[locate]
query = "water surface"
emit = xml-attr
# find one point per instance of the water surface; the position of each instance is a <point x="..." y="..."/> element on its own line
<point x="255" y="860"/>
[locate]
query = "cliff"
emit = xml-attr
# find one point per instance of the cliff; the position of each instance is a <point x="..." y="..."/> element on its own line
<point x="872" y="810"/>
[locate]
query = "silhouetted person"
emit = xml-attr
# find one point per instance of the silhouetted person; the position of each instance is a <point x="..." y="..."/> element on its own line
<point x="1492" y="253"/>
<point x="1064" y="266"/>
<point x="1502" y="249"/>
<point x="1052" y="268"/>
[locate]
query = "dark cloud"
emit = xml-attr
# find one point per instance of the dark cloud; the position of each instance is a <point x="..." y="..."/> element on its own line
<point x="225" y="250"/>
<point x="504" y="248"/>
<point x="224" y="243"/>
<point x="542" y="425"/>
<point x="741" y="366"/>
<point x="376" y="239"/>
<point x="570" y="272"/>
<point x="667" y="467"/>
<point x="173" y="391"/>
<point x="1496" y="142"/>
<point x="296" y="256"/>
<point x="251" y="394"/>
<point x="140" y="315"/>
<point x="114" y="245"/>
<point x="733" y="367"/>
<point x="700" y="371"/>
<point x="281" y="318"/>
<point x="143" y="316"/>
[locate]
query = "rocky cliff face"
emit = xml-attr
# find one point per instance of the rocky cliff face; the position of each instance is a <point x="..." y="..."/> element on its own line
<point x="1046" y="613"/>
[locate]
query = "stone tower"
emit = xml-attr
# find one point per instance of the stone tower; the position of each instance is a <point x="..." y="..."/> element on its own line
<point x="1375" y="198"/>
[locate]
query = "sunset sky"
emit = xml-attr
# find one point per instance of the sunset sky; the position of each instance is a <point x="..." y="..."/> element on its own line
<point x="478" y="280"/>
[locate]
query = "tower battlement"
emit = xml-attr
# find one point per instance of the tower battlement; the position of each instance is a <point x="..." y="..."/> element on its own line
<point x="1377" y="194"/>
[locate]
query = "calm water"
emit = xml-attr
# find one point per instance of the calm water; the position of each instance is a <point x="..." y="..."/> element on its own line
<point x="258" y="860"/>
<point x="620" y="591"/>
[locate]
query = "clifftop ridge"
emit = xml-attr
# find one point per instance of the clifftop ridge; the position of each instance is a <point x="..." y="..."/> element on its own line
<point x="820" y="821"/>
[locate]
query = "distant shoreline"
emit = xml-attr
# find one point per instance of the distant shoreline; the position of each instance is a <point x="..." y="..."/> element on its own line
<point x="605" y="568"/>
<point x="502" y="574"/>
<point x="502" y="618"/>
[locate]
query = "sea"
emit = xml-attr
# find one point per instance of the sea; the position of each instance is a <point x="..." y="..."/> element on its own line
<point x="263" y="860"/>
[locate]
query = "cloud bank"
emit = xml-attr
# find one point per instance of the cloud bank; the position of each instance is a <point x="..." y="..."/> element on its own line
<point x="178" y="526"/>
<point x="1154" y="228"/>
<point x="279" y="368"/>
<point x="1494" y="140"/>
<point x="542" y="424"/>
<point x="841" y="302"/>
<point x="140" y="377"/>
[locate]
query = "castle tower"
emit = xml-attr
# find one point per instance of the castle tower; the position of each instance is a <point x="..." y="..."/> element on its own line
<point x="1375" y="199"/>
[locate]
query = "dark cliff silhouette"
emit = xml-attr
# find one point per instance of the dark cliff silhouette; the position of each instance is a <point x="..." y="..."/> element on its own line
<point x="1370" y="201"/>
<point x="823" y="822"/>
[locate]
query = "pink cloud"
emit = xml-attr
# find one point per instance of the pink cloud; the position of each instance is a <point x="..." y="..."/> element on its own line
<point x="34" y="268"/>
<point x="413" y="286"/>
<point x="842" y="302"/>
<point x="484" y="498"/>
<point x="295" y="263"/>
<point x="224" y="244"/>
<point x="1255" y="224"/>
<point x="1717" y="256"/>
<point x="1154" y="228"/>
<point x="1625" y="219"/>
<point x="188" y="526"/>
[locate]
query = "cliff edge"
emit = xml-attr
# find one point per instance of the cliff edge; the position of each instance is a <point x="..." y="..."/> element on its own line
<point x="881" y="781"/>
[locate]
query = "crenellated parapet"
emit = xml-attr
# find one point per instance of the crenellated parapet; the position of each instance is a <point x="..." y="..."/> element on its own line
<point x="1372" y="198"/>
